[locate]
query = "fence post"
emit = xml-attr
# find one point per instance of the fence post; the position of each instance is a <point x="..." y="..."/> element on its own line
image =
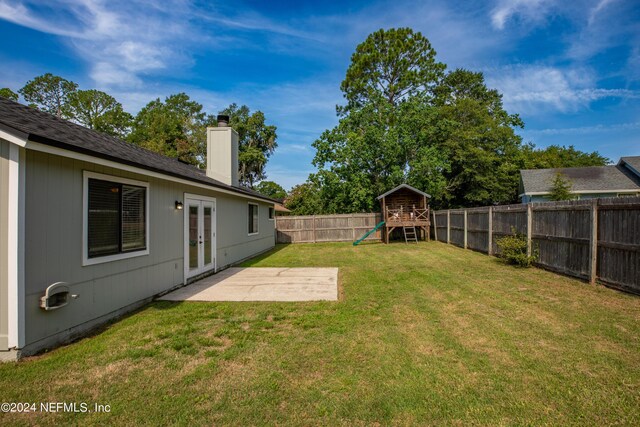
<point x="448" y="225"/>
<point x="490" y="239"/>
<point x="529" y="227"/>
<point x="313" y="220"/>
<point x="435" y="226"/>
<point x="353" y="229"/>
<point x="465" y="229"/>
<point x="593" y="248"/>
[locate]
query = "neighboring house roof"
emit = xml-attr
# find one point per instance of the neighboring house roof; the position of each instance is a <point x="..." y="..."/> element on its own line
<point x="631" y="163"/>
<point x="585" y="179"/>
<point x="280" y="208"/>
<point x="50" y="130"/>
<point x="408" y="187"/>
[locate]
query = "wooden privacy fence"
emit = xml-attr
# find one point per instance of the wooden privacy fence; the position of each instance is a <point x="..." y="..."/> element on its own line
<point x="326" y="228"/>
<point x="597" y="239"/>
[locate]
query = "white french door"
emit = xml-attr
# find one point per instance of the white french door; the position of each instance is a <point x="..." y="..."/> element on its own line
<point x="199" y="235"/>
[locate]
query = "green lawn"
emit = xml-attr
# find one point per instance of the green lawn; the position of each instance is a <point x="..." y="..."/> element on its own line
<point x="423" y="334"/>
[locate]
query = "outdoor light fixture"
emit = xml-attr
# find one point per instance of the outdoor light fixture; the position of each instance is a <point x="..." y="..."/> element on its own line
<point x="178" y="205"/>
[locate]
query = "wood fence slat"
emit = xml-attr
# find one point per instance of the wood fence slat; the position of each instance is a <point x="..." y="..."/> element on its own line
<point x="621" y="246"/>
<point x="580" y="240"/>
<point x="593" y="248"/>
<point x="490" y="232"/>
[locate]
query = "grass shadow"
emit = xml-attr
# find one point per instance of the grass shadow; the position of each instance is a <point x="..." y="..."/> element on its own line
<point x="253" y="261"/>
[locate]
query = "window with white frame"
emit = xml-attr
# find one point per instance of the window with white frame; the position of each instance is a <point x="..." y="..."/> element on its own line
<point x="253" y="218"/>
<point x="116" y="218"/>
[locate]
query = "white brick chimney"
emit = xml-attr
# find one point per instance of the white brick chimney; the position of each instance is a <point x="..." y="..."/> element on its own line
<point x="222" y="152"/>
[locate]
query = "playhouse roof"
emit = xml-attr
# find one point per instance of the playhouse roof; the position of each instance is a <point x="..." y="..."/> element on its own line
<point x="405" y="186"/>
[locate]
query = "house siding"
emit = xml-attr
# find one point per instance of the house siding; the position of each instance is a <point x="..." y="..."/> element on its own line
<point x="53" y="248"/>
<point x="4" y="245"/>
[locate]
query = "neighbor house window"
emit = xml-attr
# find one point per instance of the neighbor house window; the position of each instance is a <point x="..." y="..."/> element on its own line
<point x="271" y="213"/>
<point x="115" y="218"/>
<point x="253" y="218"/>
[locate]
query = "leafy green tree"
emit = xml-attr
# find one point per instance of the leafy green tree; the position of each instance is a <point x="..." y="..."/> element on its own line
<point x="271" y="189"/>
<point x="561" y="188"/>
<point x="388" y="67"/>
<point x="381" y="139"/>
<point x="97" y="110"/>
<point x="48" y="92"/>
<point x="555" y="156"/>
<point x="405" y="121"/>
<point x="357" y="160"/>
<point x="5" y="92"/>
<point x="304" y="199"/>
<point x="175" y="128"/>
<point x="478" y="139"/>
<point x="257" y="142"/>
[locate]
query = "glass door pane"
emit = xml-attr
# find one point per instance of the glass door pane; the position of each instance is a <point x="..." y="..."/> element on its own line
<point x="208" y="216"/>
<point x="193" y="236"/>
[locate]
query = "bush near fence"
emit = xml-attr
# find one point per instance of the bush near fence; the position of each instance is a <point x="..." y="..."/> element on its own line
<point x="597" y="239"/>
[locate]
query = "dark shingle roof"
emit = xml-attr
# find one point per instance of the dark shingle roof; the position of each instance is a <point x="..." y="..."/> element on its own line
<point x="593" y="178"/>
<point x="631" y="163"/>
<point x="47" y="129"/>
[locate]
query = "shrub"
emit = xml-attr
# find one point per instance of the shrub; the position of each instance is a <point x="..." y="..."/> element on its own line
<point x="561" y="189"/>
<point x="513" y="250"/>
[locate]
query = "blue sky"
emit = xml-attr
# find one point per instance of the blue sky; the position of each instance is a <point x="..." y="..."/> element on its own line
<point x="571" y="69"/>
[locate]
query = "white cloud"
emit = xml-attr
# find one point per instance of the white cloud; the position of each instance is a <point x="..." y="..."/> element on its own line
<point x="120" y="40"/>
<point x="586" y="130"/>
<point x="294" y="148"/>
<point x="251" y="21"/>
<point x="106" y="74"/>
<point x="595" y="11"/>
<point x="140" y="56"/>
<point x="18" y="13"/>
<point x="535" y="89"/>
<point x="287" y="176"/>
<point x="632" y="68"/>
<point x="592" y="26"/>
<point x="458" y="34"/>
<point x="603" y="26"/>
<point x="526" y="10"/>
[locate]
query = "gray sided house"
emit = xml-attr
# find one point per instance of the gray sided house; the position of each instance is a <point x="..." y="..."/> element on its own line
<point x="92" y="227"/>
<point x="621" y="180"/>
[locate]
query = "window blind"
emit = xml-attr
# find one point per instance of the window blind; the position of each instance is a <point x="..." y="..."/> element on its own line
<point x="133" y="218"/>
<point x="253" y="219"/>
<point x="116" y="218"/>
<point x="103" y="218"/>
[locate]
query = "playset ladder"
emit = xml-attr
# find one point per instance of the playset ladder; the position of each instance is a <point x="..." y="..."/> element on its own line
<point x="410" y="234"/>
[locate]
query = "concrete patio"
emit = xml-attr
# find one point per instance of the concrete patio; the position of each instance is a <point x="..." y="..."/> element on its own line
<point x="262" y="284"/>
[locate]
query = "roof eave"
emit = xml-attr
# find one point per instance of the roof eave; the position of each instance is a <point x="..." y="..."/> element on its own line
<point x="68" y="147"/>
<point x="13" y="135"/>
